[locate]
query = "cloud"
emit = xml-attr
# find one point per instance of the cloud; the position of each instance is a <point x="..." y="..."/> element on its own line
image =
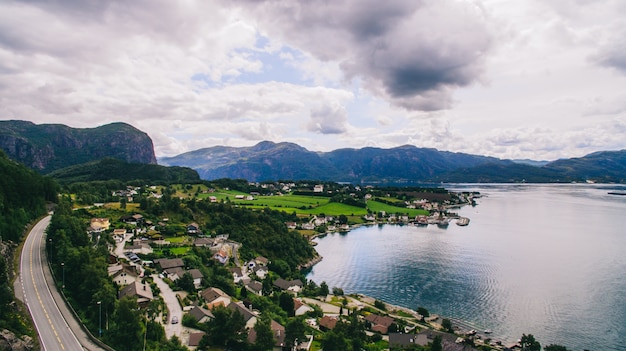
<point x="414" y="53"/>
<point x="328" y="119"/>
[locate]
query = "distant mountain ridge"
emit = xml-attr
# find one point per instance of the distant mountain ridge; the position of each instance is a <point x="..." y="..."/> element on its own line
<point x="272" y="161"/>
<point x="49" y="147"/>
<point x="403" y="164"/>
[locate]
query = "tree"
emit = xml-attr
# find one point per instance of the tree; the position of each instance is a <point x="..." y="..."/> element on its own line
<point x="436" y="345"/>
<point x="324" y="289"/>
<point x="423" y="312"/>
<point x="126" y="332"/>
<point x="264" y="335"/>
<point x="529" y="343"/>
<point x="186" y="283"/>
<point x="334" y="341"/>
<point x="294" y="330"/>
<point x="447" y="325"/>
<point x="285" y="301"/>
<point x="380" y="305"/>
<point x="554" y="347"/>
<point x="227" y="328"/>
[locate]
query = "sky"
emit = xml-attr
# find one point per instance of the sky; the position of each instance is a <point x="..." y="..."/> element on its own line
<point x="512" y="79"/>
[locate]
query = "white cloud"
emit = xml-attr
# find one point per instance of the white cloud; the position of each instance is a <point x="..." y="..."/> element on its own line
<point x="506" y="78"/>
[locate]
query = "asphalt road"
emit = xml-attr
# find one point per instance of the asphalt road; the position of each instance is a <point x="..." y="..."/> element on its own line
<point x="54" y="332"/>
<point x="173" y="307"/>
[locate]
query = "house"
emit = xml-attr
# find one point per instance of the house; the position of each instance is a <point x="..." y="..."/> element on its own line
<point x="197" y="277"/>
<point x="300" y="308"/>
<point x="221" y="256"/>
<point x="119" y="234"/>
<point x="212" y="199"/>
<point x="378" y="323"/>
<point x="203" y="242"/>
<point x="237" y="274"/>
<point x="291" y="225"/>
<point x="319" y="188"/>
<point x="423" y="338"/>
<point x="174" y="274"/>
<point x="200" y="314"/>
<point x="328" y="322"/>
<point x="141" y="248"/>
<point x="292" y="285"/>
<point x="248" y="316"/>
<point x="260" y="271"/>
<point x="194" y="339"/>
<point x="192" y="228"/>
<point x="308" y="226"/>
<point x="255" y="287"/>
<point x="143" y="292"/>
<point x="214" y="297"/>
<point x="100" y="224"/>
<point x="261" y="260"/>
<point x="279" y="335"/>
<point x="167" y="263"/>
<point x="124" y="276"/>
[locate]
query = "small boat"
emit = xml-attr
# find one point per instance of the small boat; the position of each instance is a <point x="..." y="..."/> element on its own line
<point x="617" y="193"/>
<point x="462" y="221"/>
<point x="488" y="331"/>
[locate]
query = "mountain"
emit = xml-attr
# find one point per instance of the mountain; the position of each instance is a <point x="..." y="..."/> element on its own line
<point x="264" y="161"/>
<point x="113" y="169"/>
<point x="274" y="161"/>
<point x="602" y="166"/>
<point x="48" y="147"/>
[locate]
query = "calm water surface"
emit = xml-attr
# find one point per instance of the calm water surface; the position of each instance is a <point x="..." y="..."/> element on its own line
<point x="549" y="260"/>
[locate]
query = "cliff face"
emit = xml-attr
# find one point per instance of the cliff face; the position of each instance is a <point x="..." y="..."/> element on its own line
<point x="48" y="147"/>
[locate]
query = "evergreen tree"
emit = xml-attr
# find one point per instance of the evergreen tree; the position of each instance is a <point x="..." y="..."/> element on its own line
<point x="126" y="332"/>
<point x="264" y="335"/>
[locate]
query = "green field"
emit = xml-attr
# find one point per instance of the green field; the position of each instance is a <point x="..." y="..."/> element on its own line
<point x="376" y="206"/>
<point x="309" y="205"/>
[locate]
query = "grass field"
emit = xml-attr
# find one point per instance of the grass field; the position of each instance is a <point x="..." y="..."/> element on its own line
<point x="376" y="206"/>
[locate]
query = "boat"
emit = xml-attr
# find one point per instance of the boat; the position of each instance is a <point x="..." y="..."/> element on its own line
<point x="488" y="331"/>
<point x="443" y="223"/>
<point x="462" y="221"/>
<point x="616" y="193"/>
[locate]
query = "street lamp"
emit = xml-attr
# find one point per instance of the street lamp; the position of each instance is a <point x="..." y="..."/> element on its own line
<point x="100" y="319"/>
<point x="63" y="267"/>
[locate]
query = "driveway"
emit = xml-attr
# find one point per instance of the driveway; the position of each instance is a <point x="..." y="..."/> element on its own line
<point x="119" y="247"/>
<point x="169" y="296"/>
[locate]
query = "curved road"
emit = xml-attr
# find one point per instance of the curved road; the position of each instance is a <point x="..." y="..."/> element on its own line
<point x="53" y="329"/>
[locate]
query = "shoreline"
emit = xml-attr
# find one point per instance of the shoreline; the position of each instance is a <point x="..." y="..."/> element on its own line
<point x="460" y="327"/>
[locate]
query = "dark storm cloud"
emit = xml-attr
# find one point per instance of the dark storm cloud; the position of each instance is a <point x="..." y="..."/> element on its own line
<point x="407" y="51"/>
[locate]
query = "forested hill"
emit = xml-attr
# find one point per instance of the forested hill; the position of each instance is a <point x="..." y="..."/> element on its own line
<point x="113" y="169"/>
<point x="48" y="147"/>
<point x="23" y="196"/>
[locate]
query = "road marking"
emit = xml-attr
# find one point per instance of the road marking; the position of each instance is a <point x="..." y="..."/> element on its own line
<point x="32" y="275"/>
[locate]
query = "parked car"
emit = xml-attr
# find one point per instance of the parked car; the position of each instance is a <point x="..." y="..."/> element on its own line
<point x="174" y="320"/>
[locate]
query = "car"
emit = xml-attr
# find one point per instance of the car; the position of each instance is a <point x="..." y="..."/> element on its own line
<point x="174" y="320"/>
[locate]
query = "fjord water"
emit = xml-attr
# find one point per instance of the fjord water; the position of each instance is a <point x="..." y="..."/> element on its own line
<point x="549" y="260"/>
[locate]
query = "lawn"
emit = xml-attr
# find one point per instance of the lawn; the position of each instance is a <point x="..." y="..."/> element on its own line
<point x="376" y="207"/>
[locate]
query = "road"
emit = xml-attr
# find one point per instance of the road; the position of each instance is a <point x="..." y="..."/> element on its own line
<point x="169" y="296"/>
<point x="52" y="323"/>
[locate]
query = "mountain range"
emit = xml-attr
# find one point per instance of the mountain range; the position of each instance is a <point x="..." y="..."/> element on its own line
<point x="403" y="164"/>
<point x="52" y="148"/>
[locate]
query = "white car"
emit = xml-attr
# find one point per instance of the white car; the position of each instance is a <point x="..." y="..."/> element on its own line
<point x="174" y="320"/>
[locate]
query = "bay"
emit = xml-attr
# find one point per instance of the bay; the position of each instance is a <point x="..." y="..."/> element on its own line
<point x="549" y="260"/>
